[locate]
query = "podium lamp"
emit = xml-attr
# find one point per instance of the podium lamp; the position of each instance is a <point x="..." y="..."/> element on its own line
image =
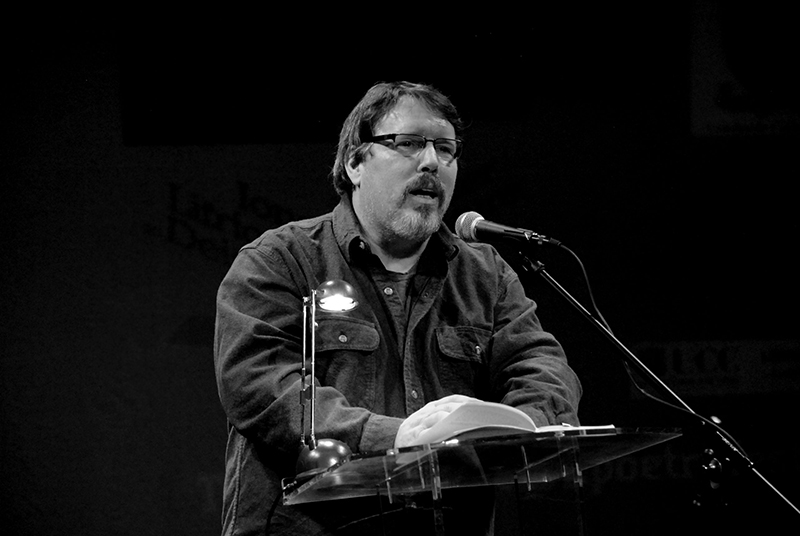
<point x="334" y="296"/>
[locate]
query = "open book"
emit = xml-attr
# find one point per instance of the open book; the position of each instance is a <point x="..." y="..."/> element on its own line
<point x="478" y="419"/>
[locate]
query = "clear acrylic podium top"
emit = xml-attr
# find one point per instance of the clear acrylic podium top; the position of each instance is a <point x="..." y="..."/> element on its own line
<point x="524" y="458"/>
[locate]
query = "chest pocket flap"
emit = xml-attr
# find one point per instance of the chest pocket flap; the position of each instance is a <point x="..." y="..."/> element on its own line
<point x="345" y="333"/>
<point x="463" y="342"/>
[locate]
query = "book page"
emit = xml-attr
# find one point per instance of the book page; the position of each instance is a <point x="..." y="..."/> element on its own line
<point x="472" y="415"/>
<point x="473" y="420"/>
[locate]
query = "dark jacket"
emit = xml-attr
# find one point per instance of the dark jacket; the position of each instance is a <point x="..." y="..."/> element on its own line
<point x="470" y="330"/>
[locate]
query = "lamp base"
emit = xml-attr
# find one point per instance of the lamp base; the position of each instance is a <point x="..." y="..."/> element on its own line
<point x="327" y="453"/>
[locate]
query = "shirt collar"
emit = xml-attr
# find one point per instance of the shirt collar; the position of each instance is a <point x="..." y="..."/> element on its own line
<point x="347" y="231"/>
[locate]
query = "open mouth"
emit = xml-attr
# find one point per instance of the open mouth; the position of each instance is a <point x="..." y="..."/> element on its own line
<point x="425" y="192"/>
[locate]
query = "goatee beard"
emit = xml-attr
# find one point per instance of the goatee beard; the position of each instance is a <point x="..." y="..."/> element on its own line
<point x="419" y="225"/>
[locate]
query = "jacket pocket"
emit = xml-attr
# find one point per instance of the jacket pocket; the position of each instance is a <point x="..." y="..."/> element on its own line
<point x="462" y="362"/>
<point x="344" y="333"/>
<point x="345" y="357"/>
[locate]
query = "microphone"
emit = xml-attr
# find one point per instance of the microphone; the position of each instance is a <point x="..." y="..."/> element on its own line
<point x="472" y="227"/>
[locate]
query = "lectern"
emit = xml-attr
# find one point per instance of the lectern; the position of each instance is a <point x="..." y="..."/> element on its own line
<point x="527" y="459"/>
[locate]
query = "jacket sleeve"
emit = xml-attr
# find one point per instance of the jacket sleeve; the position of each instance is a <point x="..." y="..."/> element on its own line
<point x="258" y="361"/>
<point x="528" y="367"/>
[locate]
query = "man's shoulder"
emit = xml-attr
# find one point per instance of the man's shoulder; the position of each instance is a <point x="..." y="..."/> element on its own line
<point x="479" y="261"/>
<point x="293" y="232"/>
<point x="476" y="252"/>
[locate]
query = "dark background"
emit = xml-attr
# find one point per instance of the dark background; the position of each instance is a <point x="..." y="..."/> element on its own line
<point x="658" y="143"/>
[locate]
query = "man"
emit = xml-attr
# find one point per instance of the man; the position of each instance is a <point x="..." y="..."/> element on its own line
<point x="439" y="321"/>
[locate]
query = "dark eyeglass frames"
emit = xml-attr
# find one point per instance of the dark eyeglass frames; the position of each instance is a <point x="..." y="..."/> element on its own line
<point x="447" y="149"/>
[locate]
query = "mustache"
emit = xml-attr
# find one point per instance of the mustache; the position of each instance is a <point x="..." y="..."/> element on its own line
<point x="427" y="182"/>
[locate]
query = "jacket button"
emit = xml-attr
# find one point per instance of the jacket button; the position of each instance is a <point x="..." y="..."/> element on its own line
<point x="342" y="338"/>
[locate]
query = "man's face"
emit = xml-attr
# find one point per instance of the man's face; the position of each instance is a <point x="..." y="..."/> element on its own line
<point x="400" y="200"/>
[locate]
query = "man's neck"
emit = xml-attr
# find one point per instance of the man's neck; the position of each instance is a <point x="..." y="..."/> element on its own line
<point x="401" y="260"/>
<point x="397" y="254"/>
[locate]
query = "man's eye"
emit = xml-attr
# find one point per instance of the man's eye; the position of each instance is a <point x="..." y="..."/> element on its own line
<point x="408" y="143"/>
<point x="446" y="148"/>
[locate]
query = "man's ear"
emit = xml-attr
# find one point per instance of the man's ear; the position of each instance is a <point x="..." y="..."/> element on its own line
<point x="354" y="171"/>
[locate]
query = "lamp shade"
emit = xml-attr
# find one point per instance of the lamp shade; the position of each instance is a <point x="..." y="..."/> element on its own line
<point x="336" y="296"/>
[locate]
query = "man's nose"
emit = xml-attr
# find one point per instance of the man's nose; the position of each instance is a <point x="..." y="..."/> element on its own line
<point x="428" y="158"/>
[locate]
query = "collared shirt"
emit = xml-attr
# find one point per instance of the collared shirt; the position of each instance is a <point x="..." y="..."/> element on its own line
<point x="464" y="326"/>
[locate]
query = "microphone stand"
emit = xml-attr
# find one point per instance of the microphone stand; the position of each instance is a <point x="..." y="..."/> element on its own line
<point x="631" y="360"/>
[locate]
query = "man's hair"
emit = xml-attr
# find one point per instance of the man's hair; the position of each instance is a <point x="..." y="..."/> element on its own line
<point x="373" y="107"/>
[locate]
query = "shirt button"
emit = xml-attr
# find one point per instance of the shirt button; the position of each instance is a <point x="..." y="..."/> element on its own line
<point x="388" y="291"/>
<point x="414" y="394"/>
<point x="342" y="338"/>
<point x="477" y="350"/>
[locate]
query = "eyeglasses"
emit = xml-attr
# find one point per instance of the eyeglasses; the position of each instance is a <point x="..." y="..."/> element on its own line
<point x="447" y="149"/>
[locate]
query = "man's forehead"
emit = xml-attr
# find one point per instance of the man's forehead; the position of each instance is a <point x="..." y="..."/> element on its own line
<point x="410" y="108"/>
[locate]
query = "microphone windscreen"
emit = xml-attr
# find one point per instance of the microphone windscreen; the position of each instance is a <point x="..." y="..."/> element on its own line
<point x="465" y="226"/>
